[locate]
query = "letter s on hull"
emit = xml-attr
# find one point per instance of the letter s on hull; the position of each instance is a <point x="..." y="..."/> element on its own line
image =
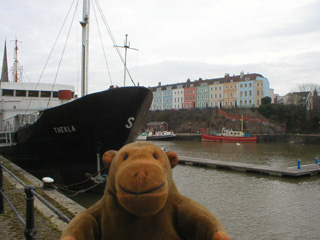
<point x="130" y="122"/>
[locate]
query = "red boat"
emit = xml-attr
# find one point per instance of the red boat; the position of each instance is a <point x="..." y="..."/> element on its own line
<point x="228" y="136"/>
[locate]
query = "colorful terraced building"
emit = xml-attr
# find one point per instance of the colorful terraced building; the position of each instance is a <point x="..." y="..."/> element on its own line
<point x="244" y="90"/>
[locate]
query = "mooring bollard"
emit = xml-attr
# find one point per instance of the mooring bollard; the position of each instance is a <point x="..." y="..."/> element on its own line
<point x="1" y="189"/>
<point x="30" y="230"/>
<point x="317" y="161"/>
<point x="299" y="164"/>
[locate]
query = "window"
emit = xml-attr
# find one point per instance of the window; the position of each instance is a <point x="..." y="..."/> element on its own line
<point x="230" y="94"/>
<point x="7" y="92"/>
<point x="55" y="94"/>
<point x="226" y="87"/>
<point x="240" y="85"/>
<point x="226" y="95"/>
<point x="45" y="94"/>
<point x="250" y="84"/>
<point x="21" y="93"/>
<point x="240" y="93"/>
<point x="245" y="93"/>
<point x="250" y="93"/>
<point x="33" y="94"/>
<point x="258" y="93"/>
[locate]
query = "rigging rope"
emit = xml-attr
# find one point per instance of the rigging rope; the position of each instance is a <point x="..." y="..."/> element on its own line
<point x="104" y="53"/>
<point x="112" y="38"/>
<point x="64" y="48"/>
<point x="52" y="50"/>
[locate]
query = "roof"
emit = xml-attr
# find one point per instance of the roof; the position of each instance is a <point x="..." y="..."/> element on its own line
<point x="226" y="79"/>
<point x="155" y="123"/>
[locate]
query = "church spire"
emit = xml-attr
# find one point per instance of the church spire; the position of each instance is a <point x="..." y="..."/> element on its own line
<point x="4" y="73"/>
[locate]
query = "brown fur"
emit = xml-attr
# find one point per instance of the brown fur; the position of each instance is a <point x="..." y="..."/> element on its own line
<point x="141" y="201"/>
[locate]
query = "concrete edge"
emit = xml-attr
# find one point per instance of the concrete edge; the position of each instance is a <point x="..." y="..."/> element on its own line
<point x="64" y="201"/>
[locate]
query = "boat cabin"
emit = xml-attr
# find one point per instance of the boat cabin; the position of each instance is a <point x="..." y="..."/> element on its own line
<point x="228" y="132"/>
<point x="21" y="102"/>
<point x="157" y="126"/>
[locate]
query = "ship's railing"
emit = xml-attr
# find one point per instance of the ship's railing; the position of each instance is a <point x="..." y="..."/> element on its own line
<point x="6" y="138"/>
<point x="20" y="120"/>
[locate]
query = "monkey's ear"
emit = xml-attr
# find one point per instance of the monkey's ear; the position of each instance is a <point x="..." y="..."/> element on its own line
<point x="107" y="157"/>
<point x="173" y="158"/>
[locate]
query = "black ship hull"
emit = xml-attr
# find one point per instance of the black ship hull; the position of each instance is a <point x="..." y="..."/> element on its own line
<point x="64" y="142"/>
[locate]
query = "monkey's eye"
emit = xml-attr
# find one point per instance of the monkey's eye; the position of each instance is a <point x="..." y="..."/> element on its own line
<point x="125" y="157"/>
<point x="155" y="156"/>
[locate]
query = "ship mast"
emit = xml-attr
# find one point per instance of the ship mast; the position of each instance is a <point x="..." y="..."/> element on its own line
<point x="126" y="46"/>
<point x="85" y="47"/>
<point x="16" y="69"/>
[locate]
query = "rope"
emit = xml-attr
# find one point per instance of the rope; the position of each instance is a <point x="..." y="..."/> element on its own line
<point x="64" y="48"/>
<point x="51" y="52"/>
<point x="104" y="53"/>
<point x="75" y="193"/>
<point x="112" y="38"/>
<point x="80" y="183"/>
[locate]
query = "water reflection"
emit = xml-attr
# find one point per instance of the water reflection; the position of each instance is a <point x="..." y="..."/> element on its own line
<point x="271" y="154"/>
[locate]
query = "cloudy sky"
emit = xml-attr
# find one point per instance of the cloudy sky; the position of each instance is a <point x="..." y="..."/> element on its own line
<point x="177" y="40"/>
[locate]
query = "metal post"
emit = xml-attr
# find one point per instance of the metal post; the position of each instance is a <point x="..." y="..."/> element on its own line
<point x="1" y="189"/>
<point x="317" y="161"/>
<point x="299" y="164"/>
<point x="30" y="230"/>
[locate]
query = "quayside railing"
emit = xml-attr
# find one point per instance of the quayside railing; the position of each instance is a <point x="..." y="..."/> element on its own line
<point x="30" y="229"/>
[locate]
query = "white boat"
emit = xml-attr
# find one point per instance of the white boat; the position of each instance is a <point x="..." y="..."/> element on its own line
<point x="160" y="135"/>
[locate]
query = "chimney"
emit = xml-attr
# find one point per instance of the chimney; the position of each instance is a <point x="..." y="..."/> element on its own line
<point x="241" y="75"/>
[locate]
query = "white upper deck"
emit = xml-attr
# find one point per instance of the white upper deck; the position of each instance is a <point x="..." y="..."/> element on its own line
<point x="29" y="98"/>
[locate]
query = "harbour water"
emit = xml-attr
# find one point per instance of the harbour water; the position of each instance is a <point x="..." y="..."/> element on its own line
<point x="250" y="206"/>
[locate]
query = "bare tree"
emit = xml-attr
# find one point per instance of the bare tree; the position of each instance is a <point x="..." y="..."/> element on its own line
<point x="306" y="87"/>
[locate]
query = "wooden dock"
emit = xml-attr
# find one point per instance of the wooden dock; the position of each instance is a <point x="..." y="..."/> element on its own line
<point x="305" y="170"/>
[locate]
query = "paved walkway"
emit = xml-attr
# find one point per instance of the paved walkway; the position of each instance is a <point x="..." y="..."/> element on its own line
<point x="48" y="225"/>
<point x="12" y="228"/>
